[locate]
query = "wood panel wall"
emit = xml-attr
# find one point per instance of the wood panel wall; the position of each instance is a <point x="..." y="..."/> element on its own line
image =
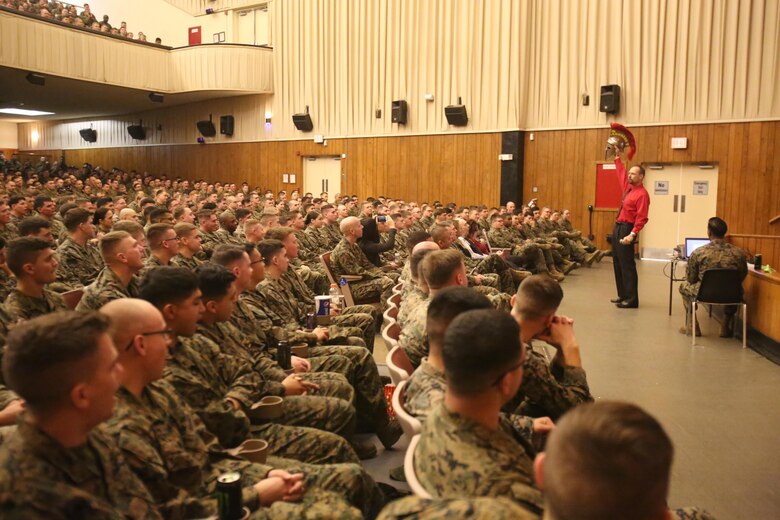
<point x="562" y="164"/>
<point x="463" y="168"/>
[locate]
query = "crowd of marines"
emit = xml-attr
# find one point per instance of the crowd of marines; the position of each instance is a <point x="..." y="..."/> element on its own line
<point x="144" y="319"/>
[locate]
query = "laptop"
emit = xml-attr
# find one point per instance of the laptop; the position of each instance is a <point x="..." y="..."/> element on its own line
<point x="692" y="244"/>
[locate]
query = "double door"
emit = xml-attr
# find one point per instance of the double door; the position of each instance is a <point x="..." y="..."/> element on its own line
<point x="683" y="197"/>
<point x="322" y="174"/>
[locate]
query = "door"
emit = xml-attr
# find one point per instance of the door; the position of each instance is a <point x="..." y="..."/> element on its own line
<point x="682" y="198"/>
<point x="322" y="174"/>
<point x="698" y="199"/>
<point x="659" y="236"/>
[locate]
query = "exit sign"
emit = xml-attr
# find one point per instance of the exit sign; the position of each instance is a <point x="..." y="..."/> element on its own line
<point x="679" y="143"/>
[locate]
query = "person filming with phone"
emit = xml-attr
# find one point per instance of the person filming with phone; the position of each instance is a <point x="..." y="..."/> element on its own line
<point x="373" y="244"/>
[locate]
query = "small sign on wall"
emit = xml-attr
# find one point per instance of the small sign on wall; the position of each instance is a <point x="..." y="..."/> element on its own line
<point x="701" y="187"/>
<point x="661" y="188"/>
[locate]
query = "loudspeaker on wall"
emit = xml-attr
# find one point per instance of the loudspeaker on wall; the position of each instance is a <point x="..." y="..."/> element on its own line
<point x="399" y="111"/>
<point x="137" y="132"/>
<point x="610" y="99"/>
<point x="206" y="128"/>
<point x="226" y="125"/>
<point x="303" y="122"/>
<point x="456" y="115"/>
<point x="88" y="134"/>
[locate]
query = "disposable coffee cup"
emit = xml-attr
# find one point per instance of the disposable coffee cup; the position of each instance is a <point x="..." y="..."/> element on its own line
<point x="322" y="305"/>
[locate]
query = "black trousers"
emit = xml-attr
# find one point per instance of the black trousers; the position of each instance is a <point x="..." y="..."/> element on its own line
<point x="626" y="279"/>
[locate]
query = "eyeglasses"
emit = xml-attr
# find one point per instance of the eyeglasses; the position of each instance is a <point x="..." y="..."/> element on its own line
<point x="168" y="333"/>
<point x="499" y="378"/>
<point x="174" y="238"/>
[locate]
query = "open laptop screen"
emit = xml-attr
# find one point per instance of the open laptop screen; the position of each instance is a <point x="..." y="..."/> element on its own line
<point x="692" y="244"/>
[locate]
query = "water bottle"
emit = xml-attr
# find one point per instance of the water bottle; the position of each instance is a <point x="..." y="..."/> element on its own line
<point x="283" y="355"/>
<point x="335" y="299"/>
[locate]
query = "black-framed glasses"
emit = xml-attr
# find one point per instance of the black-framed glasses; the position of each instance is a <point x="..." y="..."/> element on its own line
<point x="499" y="378"/>
<point x="168" y="333"/>
<point x="172" y="238"/>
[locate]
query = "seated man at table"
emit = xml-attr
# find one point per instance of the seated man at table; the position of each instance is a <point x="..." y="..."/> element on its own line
<point x="718" y="254"/>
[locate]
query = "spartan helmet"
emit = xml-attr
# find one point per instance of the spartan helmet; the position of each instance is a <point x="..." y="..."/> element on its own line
<point x="619" y="139"/>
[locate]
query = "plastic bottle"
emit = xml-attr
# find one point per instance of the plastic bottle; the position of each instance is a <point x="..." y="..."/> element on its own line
<point x="335" y="298"/>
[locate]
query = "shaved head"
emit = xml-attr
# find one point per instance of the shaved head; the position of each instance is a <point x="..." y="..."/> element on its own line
<point x="348" y="223"/>
<point x="425" y="246"/>
<point x="129" y="317"/>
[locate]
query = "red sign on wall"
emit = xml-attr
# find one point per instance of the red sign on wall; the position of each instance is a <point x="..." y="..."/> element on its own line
<point x="194" y="34"/>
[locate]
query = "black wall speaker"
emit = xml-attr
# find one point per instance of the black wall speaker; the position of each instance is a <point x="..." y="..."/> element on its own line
<point x="207" y="128"/>
<point x="610" y="99"/>
<point x="156" y="97"/>
<point x="226" y="125"/>
<point x="303" y="122"/>
<point x="88" y="134"/>
<point x="400" y="110"/>
<point x="456" y="115"/>
<point x="36" y="79"/>
<point x="137" y="132"/>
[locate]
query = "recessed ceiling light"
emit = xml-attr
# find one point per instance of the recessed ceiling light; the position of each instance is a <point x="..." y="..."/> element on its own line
<point x="24" y="112"/>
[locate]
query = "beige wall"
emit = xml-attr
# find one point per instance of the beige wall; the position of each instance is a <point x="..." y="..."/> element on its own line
<point x="515" y="63"/>
<point x="8" y="136"/>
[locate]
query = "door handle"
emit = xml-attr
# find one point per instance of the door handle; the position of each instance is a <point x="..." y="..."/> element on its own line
<point x="675" y="203"/>
<point x="327" y="183"/>
<point x="322" y="184"/>
<point x="682" y="205"/>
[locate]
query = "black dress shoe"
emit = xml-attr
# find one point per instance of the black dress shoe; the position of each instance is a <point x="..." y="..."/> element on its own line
<point x="616" y="300"/>
<point x="627" y="305"/>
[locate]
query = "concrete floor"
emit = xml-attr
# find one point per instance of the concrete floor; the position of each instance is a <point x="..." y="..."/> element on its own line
<point x="719" y="404"/>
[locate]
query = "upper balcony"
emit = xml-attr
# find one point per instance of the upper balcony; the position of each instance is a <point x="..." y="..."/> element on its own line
<point x="48" y="47"/>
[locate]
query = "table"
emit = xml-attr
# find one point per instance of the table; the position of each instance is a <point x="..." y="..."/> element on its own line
<point x="672" y="277"/>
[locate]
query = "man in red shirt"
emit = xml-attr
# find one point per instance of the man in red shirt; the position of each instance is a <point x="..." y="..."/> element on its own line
<point x="632" y="217"/>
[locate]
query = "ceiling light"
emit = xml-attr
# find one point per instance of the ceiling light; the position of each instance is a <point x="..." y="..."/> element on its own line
<point x="24" y="112"/>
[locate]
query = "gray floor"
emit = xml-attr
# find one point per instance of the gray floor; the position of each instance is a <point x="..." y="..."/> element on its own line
<point x="720" y="404"/>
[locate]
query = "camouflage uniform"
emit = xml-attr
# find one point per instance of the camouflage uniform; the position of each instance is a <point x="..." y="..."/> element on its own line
<point x="691" y="513"/>
<point x="413" y="335"/>
<point x="107" y="287"/>
<point x="39" y="478"/>
<point x="491" y="264"/>
<point x="356" y="321"/>
<point x="206" y="378"/>
<point x="278" y="301"/>
<point x="7" y="396"/>
<point x="548" y="390"/>
<point x="169" y="448"/>
<point x="312" y="274"/>
<point x="527" y="254"/>
<point x="424" y="392"/>
<point x="209" y="242"/>
<point x="9" y="232"/>
<point x="330" y="235"/>
<point x="232" y="342"/>
<point x="457" y="457"/>
<point x="189" y="263"/>
<point x="718" y="254"/>
<point x="79" y="265"/>
<point x="150" y="263"/>
<point x="7" y="284"/>
<point x="349" y="259"/>
<point x="409" y="301"/>
<point x="317" y="245"/>
<point x="225" y="237"/>
<point x="23" y="307"/>
<point x="484" y="508"/>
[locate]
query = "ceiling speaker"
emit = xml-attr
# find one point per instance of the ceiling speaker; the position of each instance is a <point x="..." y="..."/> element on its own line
<point x="156" y="97"/>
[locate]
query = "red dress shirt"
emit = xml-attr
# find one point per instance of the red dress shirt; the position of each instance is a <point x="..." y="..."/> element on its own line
<point x="636" y="203"/>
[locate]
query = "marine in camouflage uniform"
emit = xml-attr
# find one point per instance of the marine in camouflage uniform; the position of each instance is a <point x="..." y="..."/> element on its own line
<point x="7" y="284"/>
<point x="79" y="265"/>
<point x="413" y="335"/>
<point x="39" y="478"/>
<point x="529" y="254"/>
<point x="718" y="254"/>
<point x="23" y="307"/>
<point x="107" y="287"/>
<point x="458" y="457"/>
<point x="189" y="263"/>
<point x="349" y="259"/>
<point x="424" y="392"/>
<point x="356" y="321"/>
<point x="167" y="445"/>
<point x="232" y="342"/>
<point x="206" y="378"/>
<point x="482" y="508"/>
<point x="410" y="299"/>
<point x="548" y="390"/>
<point x="330" y="235"/>
<point x="209" y="242"/>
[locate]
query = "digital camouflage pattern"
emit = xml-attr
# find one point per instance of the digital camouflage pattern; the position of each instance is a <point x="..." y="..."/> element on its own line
<point x="107" y="287"/>
<point x="23" y="307"/>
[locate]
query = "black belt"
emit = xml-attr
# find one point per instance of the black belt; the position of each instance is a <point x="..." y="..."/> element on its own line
<point x="625" y="223"/>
